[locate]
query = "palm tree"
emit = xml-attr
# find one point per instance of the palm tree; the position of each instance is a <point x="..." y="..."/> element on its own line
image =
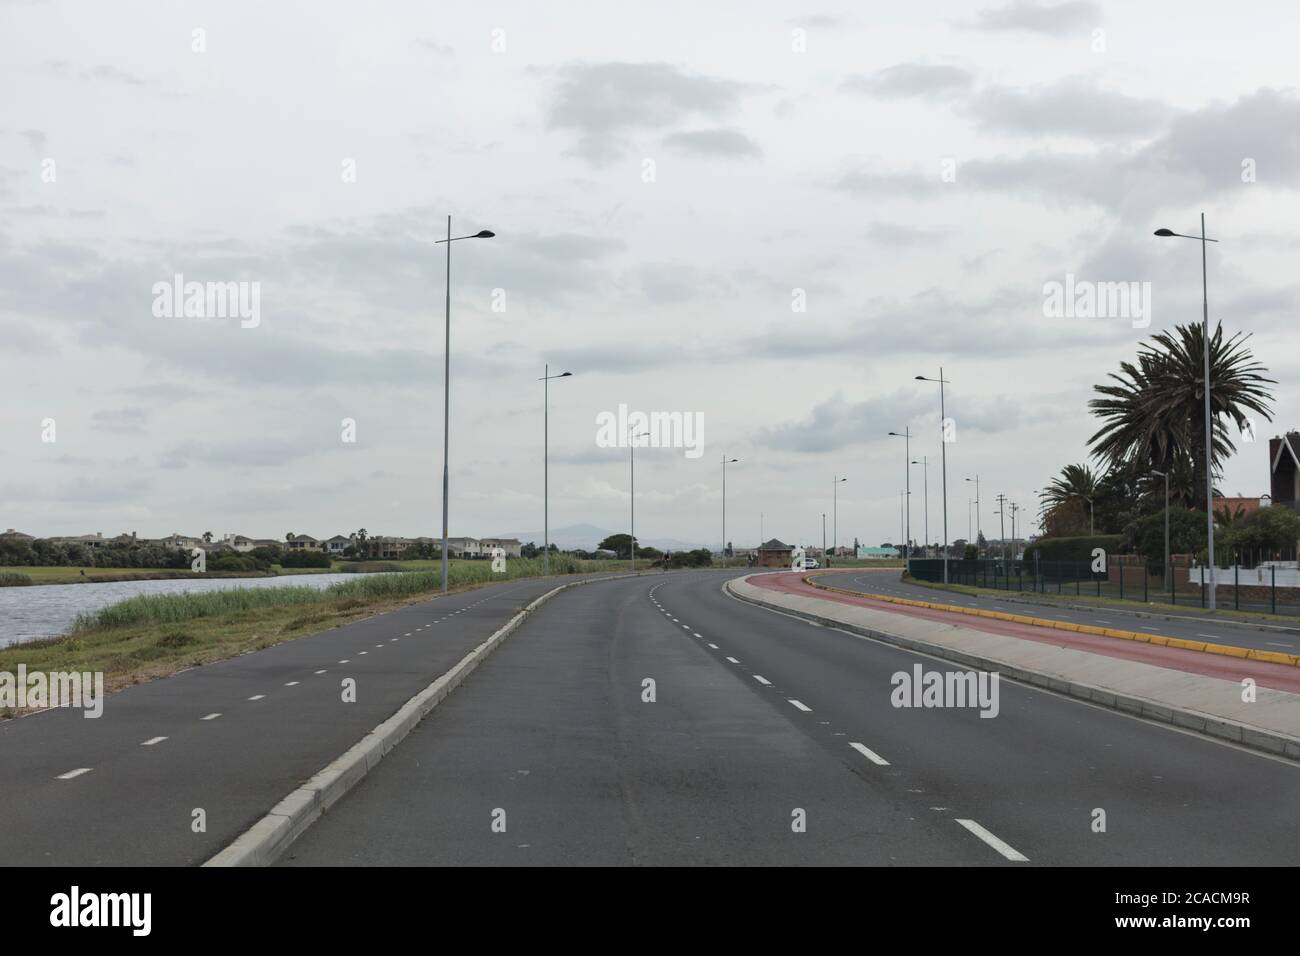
<point x="1076" y="483"/>
<point x="207" y="537"/>
<point x="1154" y="414"/>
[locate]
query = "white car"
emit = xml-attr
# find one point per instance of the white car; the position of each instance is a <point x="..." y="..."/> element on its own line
<point x="810" y="564"/>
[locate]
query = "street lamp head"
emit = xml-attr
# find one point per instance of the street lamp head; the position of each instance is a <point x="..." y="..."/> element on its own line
<point x="564" y="374"/>
<point x="922" y="378"/>
<point x="1165" y="233"/>
<point x="485" y="234"/>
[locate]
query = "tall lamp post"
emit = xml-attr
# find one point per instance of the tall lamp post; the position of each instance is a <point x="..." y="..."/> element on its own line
<point x="1209" y="447"/>
<point x="446" y="387"/>
<point x="925" y="491"/>
<point x="631" y="455"/>
<point x="725" y="462"/>
<point x="546" y="465"/>
<point x="943" y="418"/>
<point x="835" y="513"/>
<point x="1165" y="476"/>
<point x="978" y="530"/>
<point x="906" y="435"/>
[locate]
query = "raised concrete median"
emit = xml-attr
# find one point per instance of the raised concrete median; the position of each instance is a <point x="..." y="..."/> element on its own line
<point x="1214" y="706"/>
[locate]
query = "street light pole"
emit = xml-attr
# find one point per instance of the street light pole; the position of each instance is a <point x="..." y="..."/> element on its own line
<point x="835" y="511"/>
<point x="978" y="530"/>
<point x="546" y="465"/>
<point x="446" y="389"/>
<point x="631" y="452"/>
<point x="1002" y="525"/>
<point x="925" y="472"/>
<point x="725" y="462"/>
<point x="1209" y="447"/>
<point x="1165" y="475"/>
<point x="943" y="418"/>
<point x="906" y="435"/>
<point x="823" y="536"/>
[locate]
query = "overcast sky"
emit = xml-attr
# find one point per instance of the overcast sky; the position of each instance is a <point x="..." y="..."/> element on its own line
<point x="787" y="147"/>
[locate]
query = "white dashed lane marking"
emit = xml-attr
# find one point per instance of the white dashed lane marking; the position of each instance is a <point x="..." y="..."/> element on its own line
<point x="730" y="659"/>
<point x="291" y="683"/>
<point x="870" y="754"/>
<point x="801" y="705"/>
<point x="211" y="716"/>
<point x="698" y="634"/>
<point x="153" y="740"/>
<point x="74" y="773"/>
<point x="1002" y="847"/>
<point x="714" y="646"/>
<point x="257" y="697"/>
<point x="320" y="671"/>
<point x="762" y="680"/>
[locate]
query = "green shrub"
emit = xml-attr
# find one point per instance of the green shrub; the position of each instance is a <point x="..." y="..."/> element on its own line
<point x="1074" y="549"/>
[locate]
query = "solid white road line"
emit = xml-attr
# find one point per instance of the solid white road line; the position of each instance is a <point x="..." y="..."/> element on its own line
<point x="153" y="740"/>
<point x="801" y="705"/>
<point x="74" y="773"/>
<point x="870" y="754"/>
<point x="211" y="716"/>
<point x="1002" y="847"/>
<point x="1276" y="644"/>
<point x="762" y="680"/>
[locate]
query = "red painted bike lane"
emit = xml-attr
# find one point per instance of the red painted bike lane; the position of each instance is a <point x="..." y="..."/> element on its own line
<point x="1276" y="676"/>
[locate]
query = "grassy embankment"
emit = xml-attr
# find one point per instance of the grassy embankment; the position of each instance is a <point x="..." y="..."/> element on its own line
<point x="1084" y="600"/>
<point x="149" y="636"/>
<point x="24" y="574"/>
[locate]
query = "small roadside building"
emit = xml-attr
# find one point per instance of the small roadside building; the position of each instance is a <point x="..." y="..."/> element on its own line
<point x="774" y="554"/>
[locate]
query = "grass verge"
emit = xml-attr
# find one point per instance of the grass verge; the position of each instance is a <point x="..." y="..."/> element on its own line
<point x="150" y="636"/>
<point x="1084" y="600"/>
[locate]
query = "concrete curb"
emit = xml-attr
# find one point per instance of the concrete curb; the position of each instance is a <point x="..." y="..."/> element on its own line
<point x="1207" y="647"/>
<point x="1245" y="735"/>
<point x="263" y="842"/>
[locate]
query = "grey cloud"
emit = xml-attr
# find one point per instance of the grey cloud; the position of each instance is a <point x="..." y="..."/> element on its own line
<point x="1056" y="19"/>
<point x="896" y="234"/>
<point x="1200" y="154"/>
<point x="603" y="101"/>
<point x="1072" y="106"/>
<point x="911" y="79"/>
<point x="714" y="142"/>
<point x="123" y="420"/>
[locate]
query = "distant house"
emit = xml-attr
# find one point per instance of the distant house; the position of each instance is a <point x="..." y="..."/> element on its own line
<point x="774" y="554"/>
<point x="89" y="540"/>
<point x="513" y="547"/>
<point x="181" y="541"/>
<point x="301" y="542"/>
<point x="16" y="535"/>
<point x="239" y="542"/>
<point x="385" y="546"/>
<point x="336" y="544"/>
<point x="464" y="548"/>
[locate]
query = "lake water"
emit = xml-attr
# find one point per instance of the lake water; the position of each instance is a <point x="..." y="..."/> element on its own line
<point x="45" y="610"/>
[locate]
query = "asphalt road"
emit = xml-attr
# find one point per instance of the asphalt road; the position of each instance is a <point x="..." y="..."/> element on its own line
<point x="1263" y="637"/>
<point x="757" y="716"/>
<point x="230" y="738"/>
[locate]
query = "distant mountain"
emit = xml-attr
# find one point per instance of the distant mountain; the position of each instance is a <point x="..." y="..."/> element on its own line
<point x="587" y="536"/>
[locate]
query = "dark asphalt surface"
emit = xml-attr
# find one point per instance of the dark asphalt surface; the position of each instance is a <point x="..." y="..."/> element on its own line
<point x="1284" y="639"/>
<point x="135" y="805"/>
<point x="552" y="732"/>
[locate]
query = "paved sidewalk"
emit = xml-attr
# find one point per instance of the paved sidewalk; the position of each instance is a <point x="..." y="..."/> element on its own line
<point x="1211" y="704"/>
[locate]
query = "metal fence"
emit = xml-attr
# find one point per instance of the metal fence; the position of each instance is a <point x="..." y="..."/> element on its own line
<point x="1268" y="587"/>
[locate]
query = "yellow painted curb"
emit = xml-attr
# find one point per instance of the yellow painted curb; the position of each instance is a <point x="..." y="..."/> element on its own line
<point x="1228" y="650"/>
